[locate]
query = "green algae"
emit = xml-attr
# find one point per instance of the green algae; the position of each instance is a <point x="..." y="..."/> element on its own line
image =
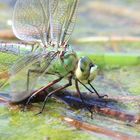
<point x="26" y="125"/>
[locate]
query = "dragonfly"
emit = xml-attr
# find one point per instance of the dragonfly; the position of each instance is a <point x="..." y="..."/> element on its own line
<point x="48" y="24"/>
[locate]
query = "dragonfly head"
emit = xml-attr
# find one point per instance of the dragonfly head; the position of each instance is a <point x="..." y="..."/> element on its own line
<point x="86" y="71"/>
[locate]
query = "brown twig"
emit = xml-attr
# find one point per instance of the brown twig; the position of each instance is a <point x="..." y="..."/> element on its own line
<point x="86" y="126"/>
<point x="101" y="106"/>
<point x="118" y="114"/>
<point x="98" y="129"/>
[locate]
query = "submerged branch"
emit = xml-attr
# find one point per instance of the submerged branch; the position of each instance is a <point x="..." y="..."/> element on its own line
<point x="80" y="124"/>
<point x="98" y="129"/>
<point x="107" y="107"/>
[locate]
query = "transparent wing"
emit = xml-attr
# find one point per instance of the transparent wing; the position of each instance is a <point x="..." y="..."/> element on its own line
<point x="32" y="18"/>
<point x="9" y="53"/>
<point x="28" y="73"/>
<point x="64" y="19"/>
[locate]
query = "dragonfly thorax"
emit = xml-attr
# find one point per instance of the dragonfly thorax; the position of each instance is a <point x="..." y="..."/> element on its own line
<point x="64" y="64"/>
<point x="86" y="71"/>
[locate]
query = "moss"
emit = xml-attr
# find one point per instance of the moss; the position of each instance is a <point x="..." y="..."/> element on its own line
<point x="25" y="125"/>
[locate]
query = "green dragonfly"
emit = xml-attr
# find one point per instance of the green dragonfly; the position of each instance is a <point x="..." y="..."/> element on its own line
<point x="48" y="24"/>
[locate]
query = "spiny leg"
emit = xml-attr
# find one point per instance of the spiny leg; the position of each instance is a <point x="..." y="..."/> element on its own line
<point x="78" y="90"/>
<point x="85" y="86"/>
<point x="96" y="91"/>
<point x="42" y="89"/>
<point x="53" y="92"/>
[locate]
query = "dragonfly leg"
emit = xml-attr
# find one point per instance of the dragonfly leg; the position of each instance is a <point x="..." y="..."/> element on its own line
<point x="42" y="89"/>
<point x="100" y="96"/>
<point x="95" y="91"/>
<point x="78" y="90"/>
<point x="85" y="86"/>
<point x="53" y="92"/>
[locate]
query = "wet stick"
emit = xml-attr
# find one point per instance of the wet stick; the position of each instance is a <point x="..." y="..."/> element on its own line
<point x="97" y="129"/>
<point x="98" y="105"/>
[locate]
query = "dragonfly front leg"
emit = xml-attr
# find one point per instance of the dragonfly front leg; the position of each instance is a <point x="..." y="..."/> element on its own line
<point x="53" y="92"/>
<point x="78" y="91"/>
<point x="95" y="91"/>
<point x="100" y="96"/>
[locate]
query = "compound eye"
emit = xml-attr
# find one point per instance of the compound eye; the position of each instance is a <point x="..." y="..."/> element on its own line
<point x="91" y="65"/>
